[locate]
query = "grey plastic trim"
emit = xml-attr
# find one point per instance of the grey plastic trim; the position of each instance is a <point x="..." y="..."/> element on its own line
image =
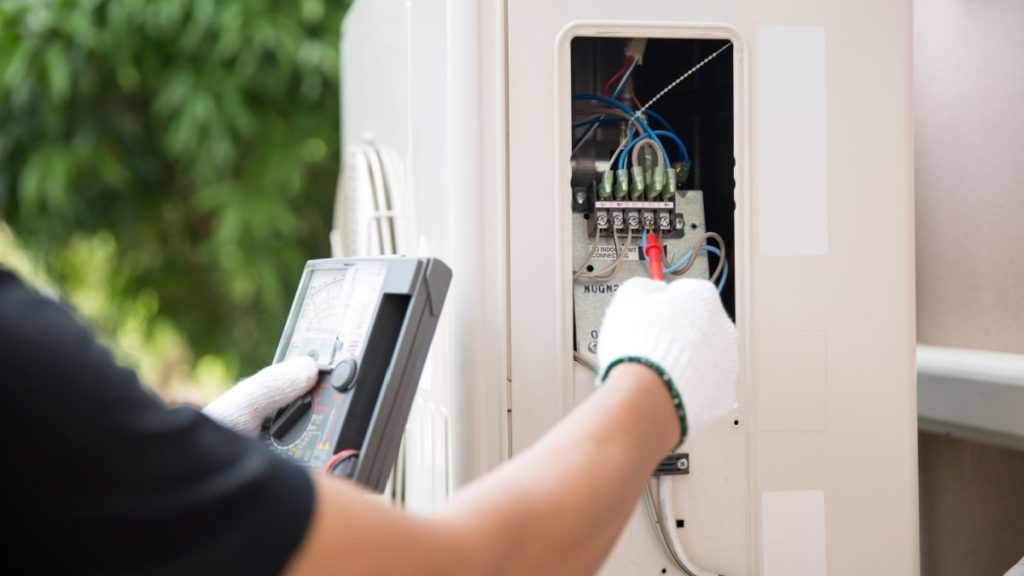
<point x="971" y="394"/>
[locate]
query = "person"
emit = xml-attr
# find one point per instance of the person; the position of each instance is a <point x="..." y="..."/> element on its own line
<point x="100" y="477"/>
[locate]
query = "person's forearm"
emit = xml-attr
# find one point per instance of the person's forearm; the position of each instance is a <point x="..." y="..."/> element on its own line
<point x="555" y="509"/>
<point x="558" y="507"/>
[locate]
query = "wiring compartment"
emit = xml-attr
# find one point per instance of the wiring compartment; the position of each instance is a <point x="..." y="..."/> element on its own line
<point x="653" y="160"/>
<point x="651" y="119"/>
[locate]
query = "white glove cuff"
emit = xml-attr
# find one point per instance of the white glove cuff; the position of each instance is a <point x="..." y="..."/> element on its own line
<point x="666" y="378"/>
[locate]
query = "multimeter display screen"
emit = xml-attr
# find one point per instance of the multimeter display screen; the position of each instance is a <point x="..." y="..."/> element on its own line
<point x="332" y="324"/>
<point x="336" y="312"/>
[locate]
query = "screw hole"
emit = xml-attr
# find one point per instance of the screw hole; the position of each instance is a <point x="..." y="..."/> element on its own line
<point x="664" y="570"/>
<point x="693" y="225"/>
<point x="586" y="215"/>
<point x="590" y="267"/>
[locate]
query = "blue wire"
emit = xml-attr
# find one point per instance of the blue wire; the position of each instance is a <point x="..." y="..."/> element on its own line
<point x="686" y="258"/>
<point x="682" y="262"/>
<point x="725" y="265"/>
<point x="683" y="152"/>
<point x="591" y="124"/>
<point x="618" y="92"/>
<point x="598" y="121"/>
<point x="653" y="115"/>
<point x="594" y="123"/>
<point x="616" y="104"/>
<point x="660" y="119"/>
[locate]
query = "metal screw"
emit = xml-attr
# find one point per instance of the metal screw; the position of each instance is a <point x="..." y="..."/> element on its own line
<point x="649" y="221"/>
<point x="617" y="220"/>
<point x="664" y="221"/>
<point x="634" y="221"/>
<point x="683" y="463"/>
<point x="737" y="419"/>
<point x="581" y="197"/>
<point x="592" y="347"/>
<point x="679" y="222"/>
<point x="602" y="220"/>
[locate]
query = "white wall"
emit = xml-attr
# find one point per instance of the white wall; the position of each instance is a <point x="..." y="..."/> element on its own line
<point x="969" y="102"/>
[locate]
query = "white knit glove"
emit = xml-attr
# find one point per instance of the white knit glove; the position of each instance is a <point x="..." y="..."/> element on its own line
<point x="681" y="331"/>
<point x="244" y="407"/>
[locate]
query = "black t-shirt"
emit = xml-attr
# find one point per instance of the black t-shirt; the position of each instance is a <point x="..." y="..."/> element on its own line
<point x="100" y="477"/>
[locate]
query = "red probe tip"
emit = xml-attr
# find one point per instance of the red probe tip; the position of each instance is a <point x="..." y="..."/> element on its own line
<point x="653" y="253"/>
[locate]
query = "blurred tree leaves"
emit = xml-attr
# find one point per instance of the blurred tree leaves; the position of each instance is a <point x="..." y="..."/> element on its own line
<point x="191" y="144"/>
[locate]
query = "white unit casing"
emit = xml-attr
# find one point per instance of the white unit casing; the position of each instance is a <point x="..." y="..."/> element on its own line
<point x="469" y="99"/>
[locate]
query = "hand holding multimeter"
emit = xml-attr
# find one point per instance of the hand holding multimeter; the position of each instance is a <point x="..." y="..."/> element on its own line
<point x="245" y="406"/>
<point x="366" y="324"/>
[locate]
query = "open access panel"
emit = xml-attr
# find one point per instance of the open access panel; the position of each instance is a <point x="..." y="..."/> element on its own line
<point x="653" y="156"/>
<point x="368" y="323"/>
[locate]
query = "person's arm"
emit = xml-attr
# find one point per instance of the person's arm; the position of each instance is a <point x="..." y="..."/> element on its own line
<point x="557" y="508"/>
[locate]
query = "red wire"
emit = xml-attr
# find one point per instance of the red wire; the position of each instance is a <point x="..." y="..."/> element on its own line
<point x="608" y="84"/>
<point x="337" y="458"/>
<point x="632" y="90"/>
<point x="653" y="253"/>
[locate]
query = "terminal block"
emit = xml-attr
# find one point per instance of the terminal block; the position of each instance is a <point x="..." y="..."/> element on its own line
<point x="609" y="217"/>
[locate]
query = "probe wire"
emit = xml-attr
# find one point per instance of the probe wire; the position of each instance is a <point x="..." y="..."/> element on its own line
<point x="338" y="459"/>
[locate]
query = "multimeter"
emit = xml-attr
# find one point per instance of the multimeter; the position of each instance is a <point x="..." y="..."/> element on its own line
<point x="368" y="323"/>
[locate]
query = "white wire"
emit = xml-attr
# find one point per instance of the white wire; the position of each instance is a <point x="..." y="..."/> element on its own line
<point x="659" y="508"/>
<point x="665" y="90"/>
<point x="657" y="152"/>
<point x="625" y="78"/>
<point x="585" y="362"/>
<point x="606" y="274"/>
<point x="681" y="78"/>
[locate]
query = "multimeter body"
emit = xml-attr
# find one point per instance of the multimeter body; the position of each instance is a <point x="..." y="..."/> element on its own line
<point x="368" y="323"/>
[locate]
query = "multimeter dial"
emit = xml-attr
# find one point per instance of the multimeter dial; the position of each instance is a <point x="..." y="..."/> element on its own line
<point x="335" y="310"/>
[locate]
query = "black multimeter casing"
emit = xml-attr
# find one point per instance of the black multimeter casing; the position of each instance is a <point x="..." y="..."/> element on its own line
<point x="383" y="313"/>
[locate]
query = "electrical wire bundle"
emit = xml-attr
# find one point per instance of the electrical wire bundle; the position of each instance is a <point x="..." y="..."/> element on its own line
<point x="640" y="165"/>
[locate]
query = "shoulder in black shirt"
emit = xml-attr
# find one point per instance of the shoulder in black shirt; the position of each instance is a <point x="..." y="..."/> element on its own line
<point x="100" y="477"/>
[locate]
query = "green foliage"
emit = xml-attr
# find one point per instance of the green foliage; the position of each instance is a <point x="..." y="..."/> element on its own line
<point x="130" y="325"/>
<point x="191" y="145"/>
